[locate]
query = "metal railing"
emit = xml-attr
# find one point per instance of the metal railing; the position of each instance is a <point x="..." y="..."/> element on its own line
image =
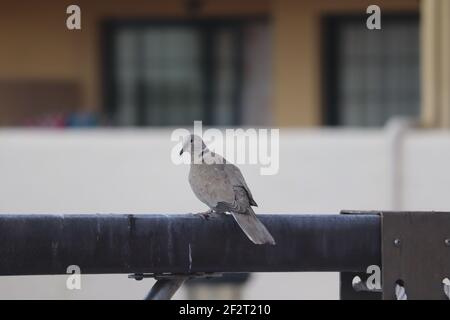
<point x="178" y="247"/>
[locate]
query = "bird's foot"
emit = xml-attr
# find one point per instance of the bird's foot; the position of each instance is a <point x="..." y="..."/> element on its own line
<point x="206" y="215"/>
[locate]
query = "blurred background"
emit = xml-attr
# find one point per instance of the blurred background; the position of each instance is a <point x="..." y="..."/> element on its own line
<point x="86" y="115"/>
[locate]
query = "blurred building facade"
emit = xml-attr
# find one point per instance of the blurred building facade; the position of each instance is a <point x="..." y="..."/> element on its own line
<point x="255" y="62"/>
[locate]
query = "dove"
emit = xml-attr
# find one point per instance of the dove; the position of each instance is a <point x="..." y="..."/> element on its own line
<point x="221" y="186"/>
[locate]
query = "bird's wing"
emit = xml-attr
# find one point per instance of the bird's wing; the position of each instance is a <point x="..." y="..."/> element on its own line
<point x="246" y="218"/>
<point x="240" y="204"/>
<point x="223" y="188"/>
<point x="253" y="228"/>
<point x="237" y="180"/>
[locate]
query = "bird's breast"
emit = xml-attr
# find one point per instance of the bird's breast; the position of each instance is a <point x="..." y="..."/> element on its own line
<point x="210" y="185"/>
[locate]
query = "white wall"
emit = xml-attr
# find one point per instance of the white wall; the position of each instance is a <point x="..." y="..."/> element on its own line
<point x="130" y="171"/>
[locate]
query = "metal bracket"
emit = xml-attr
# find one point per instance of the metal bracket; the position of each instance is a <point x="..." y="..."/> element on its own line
<point x="167" y="284"/>
<point x="415" y="251"/>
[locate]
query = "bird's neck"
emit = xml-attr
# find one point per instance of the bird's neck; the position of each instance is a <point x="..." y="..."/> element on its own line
<point x="206" y="156"/>
<point x="197" y="156"/>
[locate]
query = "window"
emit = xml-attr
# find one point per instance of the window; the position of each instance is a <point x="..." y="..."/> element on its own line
<point x="371" y="75"/>
<point x="167" y="74"/>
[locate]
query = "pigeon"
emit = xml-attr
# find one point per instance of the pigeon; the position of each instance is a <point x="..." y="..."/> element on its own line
<point x="222" y="187"/>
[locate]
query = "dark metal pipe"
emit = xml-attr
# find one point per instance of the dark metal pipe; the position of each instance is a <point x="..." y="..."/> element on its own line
<point x="165" y="289"/>
<point x="115" y="243"/>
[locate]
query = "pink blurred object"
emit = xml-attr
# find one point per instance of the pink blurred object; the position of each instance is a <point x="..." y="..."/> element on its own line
<point x="57" y="120"/>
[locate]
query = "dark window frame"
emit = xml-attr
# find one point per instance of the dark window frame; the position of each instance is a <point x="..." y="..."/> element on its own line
<point x="205" y="26"/>
<point x="330" y="57"/>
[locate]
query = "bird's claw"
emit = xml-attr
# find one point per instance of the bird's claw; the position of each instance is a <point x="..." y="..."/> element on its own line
<point x="205" y="215"/>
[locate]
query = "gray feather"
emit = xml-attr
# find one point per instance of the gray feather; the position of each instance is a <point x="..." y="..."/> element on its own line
<point x="238" y="180"/>
<point x="222" y="187"/>
<point x="253" y="228"/>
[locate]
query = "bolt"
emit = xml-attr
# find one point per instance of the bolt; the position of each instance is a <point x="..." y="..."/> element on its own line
<point x="136" y="276"/>
<point x="447" y="242"/>
<point x="397" y="242"/>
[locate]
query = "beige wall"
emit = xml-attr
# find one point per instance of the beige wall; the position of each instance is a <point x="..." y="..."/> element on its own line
<point x="100" y="10"/>
<point x="36" y="45"/>
<point x="435" y="63"/>
<point x="298" y="53"/>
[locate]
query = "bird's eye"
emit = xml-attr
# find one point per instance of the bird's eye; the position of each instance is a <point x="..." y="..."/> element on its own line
<point x="192" y="140"/>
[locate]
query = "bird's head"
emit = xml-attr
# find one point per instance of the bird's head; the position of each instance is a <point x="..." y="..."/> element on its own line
<point x="192" y="144"/>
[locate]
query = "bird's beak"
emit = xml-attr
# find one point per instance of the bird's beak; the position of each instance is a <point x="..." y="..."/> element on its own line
<point x="181" y="151"/>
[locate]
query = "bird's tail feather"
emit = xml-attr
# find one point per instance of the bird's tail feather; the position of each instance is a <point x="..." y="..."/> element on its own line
<point x="253" y="228"/>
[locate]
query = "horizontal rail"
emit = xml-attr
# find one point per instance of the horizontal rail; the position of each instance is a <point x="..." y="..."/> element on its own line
<point x="115" y="243"/>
